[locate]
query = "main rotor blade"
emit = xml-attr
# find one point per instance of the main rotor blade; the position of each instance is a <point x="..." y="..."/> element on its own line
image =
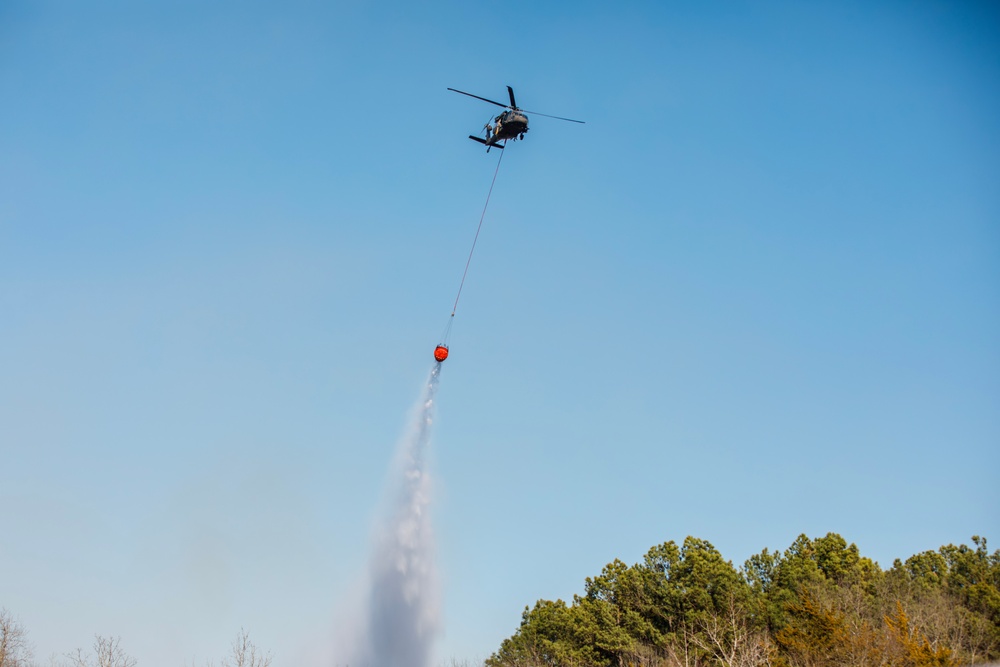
<point x="510" y="91"/>
<point x="556" y="117"/>
<point x="478" y="97"/>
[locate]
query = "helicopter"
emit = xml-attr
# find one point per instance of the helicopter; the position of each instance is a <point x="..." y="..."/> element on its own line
<point x="511" y="124"/>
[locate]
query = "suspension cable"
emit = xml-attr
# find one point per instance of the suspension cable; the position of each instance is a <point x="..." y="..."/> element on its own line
<point x="475" y="239"/>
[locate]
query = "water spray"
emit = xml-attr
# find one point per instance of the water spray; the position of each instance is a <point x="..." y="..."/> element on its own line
<point x="403" y="612"/>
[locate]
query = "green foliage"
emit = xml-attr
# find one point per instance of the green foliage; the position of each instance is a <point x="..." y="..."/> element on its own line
<point x="820" y="602"/>
<point x="761" y="570"/>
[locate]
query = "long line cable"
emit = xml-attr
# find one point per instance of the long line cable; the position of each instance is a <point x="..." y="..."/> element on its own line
<point x="476" y="238"/>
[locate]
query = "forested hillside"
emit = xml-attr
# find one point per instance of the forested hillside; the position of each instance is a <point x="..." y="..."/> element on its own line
<point x="819" y="603"/>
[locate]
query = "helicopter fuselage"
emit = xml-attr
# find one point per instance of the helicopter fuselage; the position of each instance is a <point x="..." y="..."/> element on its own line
<point x="511" y="124"/>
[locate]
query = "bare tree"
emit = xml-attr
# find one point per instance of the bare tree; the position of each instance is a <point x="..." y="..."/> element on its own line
<point x="15" y="651"/>
<point x="245" y="653"/>
<point x="730" y="640"/>
<point x="109" y="654"/>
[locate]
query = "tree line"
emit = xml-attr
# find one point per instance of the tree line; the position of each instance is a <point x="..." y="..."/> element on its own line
<point x="817" y="604"/>
<point x="820" y="603"/>
<point x="16" y="650"/>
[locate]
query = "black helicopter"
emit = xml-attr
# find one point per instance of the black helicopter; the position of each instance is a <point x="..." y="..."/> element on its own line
<point x="511" y="124"/>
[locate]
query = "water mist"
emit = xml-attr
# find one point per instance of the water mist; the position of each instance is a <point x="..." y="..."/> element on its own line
<point x="402" y="616"/>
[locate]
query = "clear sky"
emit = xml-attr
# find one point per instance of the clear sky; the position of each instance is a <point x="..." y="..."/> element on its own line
<point x="756" y="295"/>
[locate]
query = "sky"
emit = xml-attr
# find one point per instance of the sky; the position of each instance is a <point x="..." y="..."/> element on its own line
<point x="756" y="295"/>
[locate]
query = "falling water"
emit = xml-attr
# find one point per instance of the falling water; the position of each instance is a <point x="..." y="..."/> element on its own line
<point x="402" y="617"/>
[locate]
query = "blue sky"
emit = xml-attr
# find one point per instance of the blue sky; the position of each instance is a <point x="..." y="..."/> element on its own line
<point x="756" y="295"/>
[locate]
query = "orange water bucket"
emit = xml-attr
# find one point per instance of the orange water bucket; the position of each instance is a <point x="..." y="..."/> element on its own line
<point x="440" y="353"/>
